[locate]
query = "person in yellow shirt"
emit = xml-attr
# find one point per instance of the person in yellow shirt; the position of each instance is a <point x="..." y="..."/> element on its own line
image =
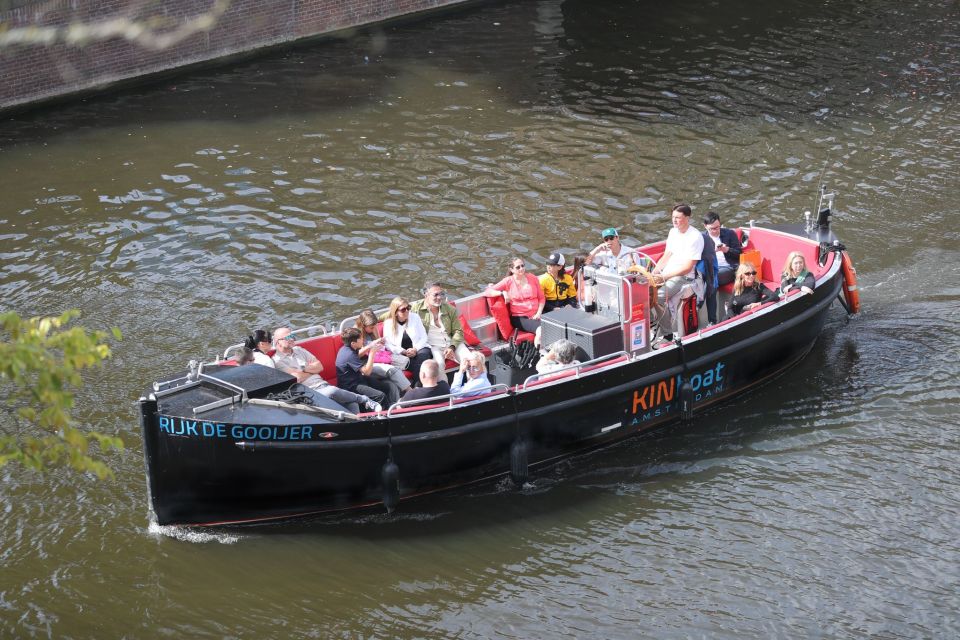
<point x="558" y="287"/>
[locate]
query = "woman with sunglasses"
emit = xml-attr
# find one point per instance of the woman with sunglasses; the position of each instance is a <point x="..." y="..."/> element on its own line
<point x="522" y="291"/>
<point x="259" y="345"/>
<point x="748" y="291"/>
<point x="387" y="366"/>
<point x="404" y="334"/>
<point x="795" y="274"/>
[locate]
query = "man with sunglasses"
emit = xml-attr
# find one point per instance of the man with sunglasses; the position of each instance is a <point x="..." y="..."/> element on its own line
<point x="612" y="255"/>
<point x="305" y="367"/>
<point x="476" y="381"/>
<point x="442" y="322"/>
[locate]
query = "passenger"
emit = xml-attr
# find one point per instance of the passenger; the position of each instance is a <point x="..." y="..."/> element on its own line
<point x="561" y="354"/>
<point x="386" y="365"/>
<point x="614" y="256"/>
<point x="521" y="290"/>
<point x="302" y="365"/>
<point x="795" y="275"/>
<point x="727" y="244"/>
<point x="431" y="386"/>
<point x="259" y="344"/>
<point x="676" y="270"/>
<point x="707" y="268"/>
<point x="558" y="286"/>
<point x="748" y="291"/>
<point x="405" y="334"/>
<point x="244" y="356"/>
<point x="354" y="374"/>
<point x="476" y="382"/>
<point x="442" y="321"/>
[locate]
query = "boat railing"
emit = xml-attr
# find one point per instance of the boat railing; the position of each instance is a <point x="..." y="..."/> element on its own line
<point x="576" y="370"/>
<point x="232" y="399"/>
<point x="351" y="321"/>
<point x="341" y="416"/>
<point x="447" y="400"/>
<point x="317" y="328"/>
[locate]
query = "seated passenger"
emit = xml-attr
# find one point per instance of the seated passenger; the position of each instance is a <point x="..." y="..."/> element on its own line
<point x="305" y="367"/>
<point x="558" y="287"/>
<point x="386" y="365"/>
<point x="614" y="256"/>
<point x="727" y="246"/>
<point x="259" y="344"/>
<point x="244" y="356"/>
<point x="561" y="354"/>
<point x="442" y="321"/>
<point x="354" y="373"/>
<point x="476" y="382"/>
<point x="676" y="271"/>
<point x="795" y="275"/>
<point x="748" y="291"/>
<point x="431" y="386"/>
<point x="521" y="290"/>
<point x="404" y="334"/>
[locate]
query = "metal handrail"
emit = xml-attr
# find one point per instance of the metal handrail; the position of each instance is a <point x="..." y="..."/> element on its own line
<point x="352" y="320"/>
<point x="235" y="347"/>
<point x="224" y="401"/>
<point x="577" y="367"/>
<point x="449" y="397"/>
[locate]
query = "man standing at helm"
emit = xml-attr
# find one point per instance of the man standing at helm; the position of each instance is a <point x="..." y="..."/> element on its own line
<point x="676" y="271"/>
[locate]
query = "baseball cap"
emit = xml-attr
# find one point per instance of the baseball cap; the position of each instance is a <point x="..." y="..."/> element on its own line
<point x="609" y="231"/>
<point x="555" y="258"/>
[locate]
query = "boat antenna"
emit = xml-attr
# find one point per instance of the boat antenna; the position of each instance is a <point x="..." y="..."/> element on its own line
<point x="820" y="187"/>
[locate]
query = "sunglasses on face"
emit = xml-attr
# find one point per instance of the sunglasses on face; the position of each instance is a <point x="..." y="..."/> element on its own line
<point x="403" y="309"/>
<point x="474" y="368"/>
<point x="286" y="339"/>
<point x="518" y="266"/>
<point x="608" y="238"/>
<point x="749" y="273"/>
<point x="439" y="294"/>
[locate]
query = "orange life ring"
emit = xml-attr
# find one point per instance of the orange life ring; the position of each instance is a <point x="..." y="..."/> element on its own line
<point x="850" y="291"/>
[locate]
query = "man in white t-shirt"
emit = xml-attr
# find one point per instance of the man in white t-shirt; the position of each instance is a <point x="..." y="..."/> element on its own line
<point x="676" y="271"/>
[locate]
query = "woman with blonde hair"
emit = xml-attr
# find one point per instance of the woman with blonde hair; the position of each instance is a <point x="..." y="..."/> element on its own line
<point x="748" y="291"/>
<point x="795" y="274"/>
<point x="404" y="334"/>
<point x="387" y="366"/>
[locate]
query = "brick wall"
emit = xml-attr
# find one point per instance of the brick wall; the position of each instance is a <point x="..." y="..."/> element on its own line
<point x="32" y="73"/>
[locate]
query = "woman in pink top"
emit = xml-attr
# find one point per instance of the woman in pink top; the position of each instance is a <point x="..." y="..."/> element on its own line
<point x="522" y="291"/>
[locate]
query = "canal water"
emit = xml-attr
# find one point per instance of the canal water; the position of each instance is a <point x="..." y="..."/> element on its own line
<point x="306" y="184"/>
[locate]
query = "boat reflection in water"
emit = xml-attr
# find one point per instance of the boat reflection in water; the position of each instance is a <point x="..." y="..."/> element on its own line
<point x="221" y="448"/>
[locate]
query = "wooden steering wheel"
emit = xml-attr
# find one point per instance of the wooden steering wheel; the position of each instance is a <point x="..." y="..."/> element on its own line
<point x="651" y="280"/>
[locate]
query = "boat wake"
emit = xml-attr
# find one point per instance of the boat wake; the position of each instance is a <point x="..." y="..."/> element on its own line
<point x="188" y="534"/>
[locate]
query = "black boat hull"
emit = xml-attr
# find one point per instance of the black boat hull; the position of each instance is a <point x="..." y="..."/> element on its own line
<point x="228" y="469"/>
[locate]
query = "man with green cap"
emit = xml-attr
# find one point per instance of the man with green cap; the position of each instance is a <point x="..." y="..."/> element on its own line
<point x="611" y="254"/>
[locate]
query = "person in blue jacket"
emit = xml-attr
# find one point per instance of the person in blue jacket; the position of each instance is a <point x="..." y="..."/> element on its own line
<point x="727" y="249"/>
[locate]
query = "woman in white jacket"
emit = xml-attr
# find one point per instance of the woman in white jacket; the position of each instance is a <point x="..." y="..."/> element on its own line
<point x="404" y="334"/>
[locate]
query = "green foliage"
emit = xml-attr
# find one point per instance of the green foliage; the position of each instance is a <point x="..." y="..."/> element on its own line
<point x="40" y="364"/>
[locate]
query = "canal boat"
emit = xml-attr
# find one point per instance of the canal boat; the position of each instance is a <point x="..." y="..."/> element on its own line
<point x="230" y="445"/>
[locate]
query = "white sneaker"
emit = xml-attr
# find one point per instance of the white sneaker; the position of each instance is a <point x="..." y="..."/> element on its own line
<point x="370" y="405"/>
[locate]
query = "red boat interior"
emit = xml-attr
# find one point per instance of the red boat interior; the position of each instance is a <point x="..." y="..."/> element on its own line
<point x="766" y="248"/>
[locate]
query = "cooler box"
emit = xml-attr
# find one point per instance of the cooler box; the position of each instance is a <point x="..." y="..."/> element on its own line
<point x="594" y="335"/>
